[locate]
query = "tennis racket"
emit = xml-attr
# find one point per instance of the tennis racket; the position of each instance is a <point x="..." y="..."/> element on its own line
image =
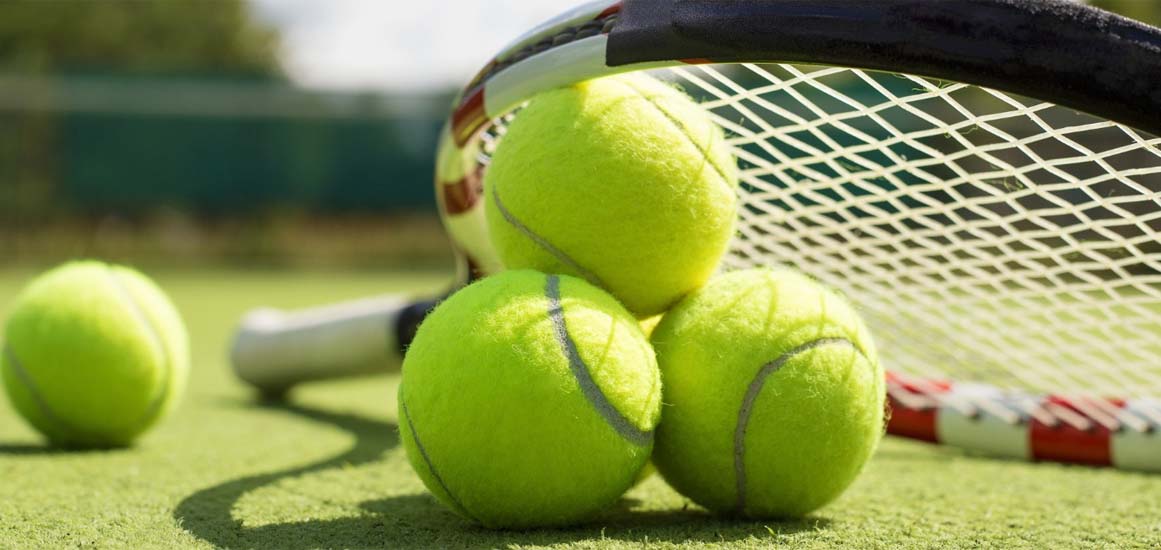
<point x="981" y="177"/>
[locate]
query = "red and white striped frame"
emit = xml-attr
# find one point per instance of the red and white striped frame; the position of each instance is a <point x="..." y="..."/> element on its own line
<point x="1056" y="428"/>
<point x="572" y="48"/>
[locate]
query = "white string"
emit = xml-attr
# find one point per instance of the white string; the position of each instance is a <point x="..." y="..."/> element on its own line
<point x="986" y="237"/>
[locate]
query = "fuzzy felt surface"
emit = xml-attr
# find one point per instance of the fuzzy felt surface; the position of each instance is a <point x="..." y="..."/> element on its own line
<point x="503" y="427"/>
<point x="623" y="181"/>
<point x="94" y="354"/>
<point x="774" y="396"/>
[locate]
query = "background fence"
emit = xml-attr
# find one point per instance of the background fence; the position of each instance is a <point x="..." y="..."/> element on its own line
<point x="124" y="145"/>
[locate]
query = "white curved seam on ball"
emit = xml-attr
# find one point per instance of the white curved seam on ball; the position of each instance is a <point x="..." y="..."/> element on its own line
<point x="543" y="243"/>
<point x="580" y="371"/>
<point x="427" y="461"/>
<point x="684" y="132"/>
<point x="752" y="395"/>
<point x="157" y="343"/>
<point x="26" y="379"/>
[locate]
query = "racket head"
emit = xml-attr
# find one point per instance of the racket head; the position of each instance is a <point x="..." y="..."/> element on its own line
<point x="982" y="178"/>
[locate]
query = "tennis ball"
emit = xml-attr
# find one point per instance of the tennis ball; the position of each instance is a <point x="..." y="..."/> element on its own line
<point x="529" y="400"/>
<point x="94" y="354"/>
<point x="774" y="395"/>
<point x="623" y="181"/>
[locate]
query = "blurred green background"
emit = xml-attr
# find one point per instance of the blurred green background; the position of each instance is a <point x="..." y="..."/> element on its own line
<point x="168" y="132"/>
<point x="171" y="132"/>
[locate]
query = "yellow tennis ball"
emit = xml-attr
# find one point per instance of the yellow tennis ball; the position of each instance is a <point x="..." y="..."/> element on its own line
<point x="623" y="181"/>
<point x="94" y="354"/>
<point x="529" y="400"/>
<point x="774" y="395"/>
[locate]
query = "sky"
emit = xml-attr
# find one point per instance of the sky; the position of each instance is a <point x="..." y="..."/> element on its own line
<point x="397" y="45"/>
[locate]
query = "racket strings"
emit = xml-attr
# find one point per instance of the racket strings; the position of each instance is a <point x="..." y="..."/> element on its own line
<point x="987" y="237"/>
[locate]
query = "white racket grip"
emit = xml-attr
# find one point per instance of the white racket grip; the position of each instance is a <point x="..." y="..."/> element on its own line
<point x="274" y="350"/>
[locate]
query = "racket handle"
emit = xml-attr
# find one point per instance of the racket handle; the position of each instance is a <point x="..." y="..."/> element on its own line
<point x="274" y="350"/>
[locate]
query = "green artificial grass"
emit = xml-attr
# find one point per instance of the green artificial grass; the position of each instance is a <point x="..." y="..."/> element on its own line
<point x="326" y="470"/>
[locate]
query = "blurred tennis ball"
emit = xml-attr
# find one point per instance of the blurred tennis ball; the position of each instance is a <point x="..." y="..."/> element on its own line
<point x="774" y="395"/>
<point x="623" y="181"/>
<point x="94" y="354"/>
<point x="529" y="400"/>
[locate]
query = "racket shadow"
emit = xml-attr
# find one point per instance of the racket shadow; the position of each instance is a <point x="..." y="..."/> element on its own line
<point x="419" y="521"/>
<point x="207" y="515"/>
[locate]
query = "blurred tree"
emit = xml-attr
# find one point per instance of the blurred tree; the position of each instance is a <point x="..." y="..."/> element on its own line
<point x="163" y="37"/>
<point x="139" y="36"/>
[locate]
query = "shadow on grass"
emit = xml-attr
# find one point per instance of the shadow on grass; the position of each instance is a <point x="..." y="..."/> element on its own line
<point x="207" y="513"/>
<point x="32" y="449"/>
<point x="49" y="449"/>
<point x="419" y="521"/>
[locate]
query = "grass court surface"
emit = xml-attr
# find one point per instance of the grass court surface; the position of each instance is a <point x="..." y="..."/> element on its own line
<point x="326" y="470"/>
